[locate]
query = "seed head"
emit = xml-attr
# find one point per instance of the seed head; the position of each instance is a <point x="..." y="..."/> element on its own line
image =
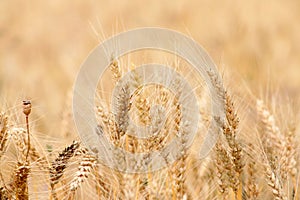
<point x="26" y="107"/>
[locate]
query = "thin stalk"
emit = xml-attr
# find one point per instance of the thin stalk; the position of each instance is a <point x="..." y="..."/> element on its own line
<point x="28" y="137"/>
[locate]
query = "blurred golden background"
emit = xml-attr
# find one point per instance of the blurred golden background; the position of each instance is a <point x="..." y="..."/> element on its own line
<point x="43" y="43"/>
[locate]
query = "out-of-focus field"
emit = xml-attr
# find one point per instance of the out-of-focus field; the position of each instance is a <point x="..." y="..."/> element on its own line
<point x="43" y="43"/>
<point x="256" y="46"/>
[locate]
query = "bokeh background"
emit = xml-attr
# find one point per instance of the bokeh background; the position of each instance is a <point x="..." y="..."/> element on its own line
<point x="43" y="43"/>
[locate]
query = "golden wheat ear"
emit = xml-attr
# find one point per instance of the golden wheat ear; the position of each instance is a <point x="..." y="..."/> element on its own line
<point x="229" y="156"/>
<point x="279" y="154"/>
<point x="60" y="163"/>
<point x="3" y="132"/>
<point x="20" y="184"/>
<point x="87" y="163"/>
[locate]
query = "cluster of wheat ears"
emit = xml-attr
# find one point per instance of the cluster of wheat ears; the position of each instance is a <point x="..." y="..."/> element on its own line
<point x="263" y="167"/>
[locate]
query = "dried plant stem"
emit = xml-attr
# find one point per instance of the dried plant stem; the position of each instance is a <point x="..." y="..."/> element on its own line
<point x="27" y="111"/>
<point x="28" y="137"/>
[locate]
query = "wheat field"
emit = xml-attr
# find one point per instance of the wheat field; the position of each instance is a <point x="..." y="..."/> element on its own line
<point x="255" y="46"/>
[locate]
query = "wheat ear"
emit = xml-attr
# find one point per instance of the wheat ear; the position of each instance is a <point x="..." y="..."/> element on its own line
<point x="86" y="165"/>
<point x="252" y="191"/>
<point x="21" y="181"/>
<point x="3" y="132"/>
<point x="274" y="182"/>
<point x="60" y="163"/>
